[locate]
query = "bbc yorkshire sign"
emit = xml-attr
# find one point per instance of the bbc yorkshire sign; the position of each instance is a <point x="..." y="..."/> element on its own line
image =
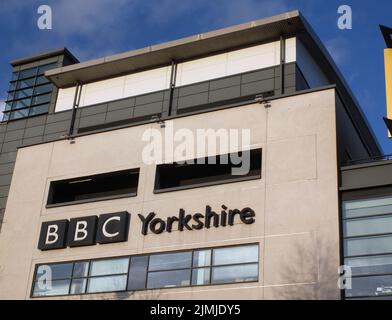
<point x="114" y="227"/>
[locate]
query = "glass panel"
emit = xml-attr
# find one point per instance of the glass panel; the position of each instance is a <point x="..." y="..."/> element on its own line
<point x="78" y="286"/>
<point x="200" y="276"/>
<point x="7" y="106"/>
<point x="239" y="273"/>
<point x="10" y="96"/>
<point x="43" y="108"/>
<point x="28" y="73"/>
<point x="43" y="89"/>
<point x="112" y="266"/>
<point x="80" y="269"/>
<point x="138" y="273"/>
<point x="18" y="104"/>
<point x="370" y="286"/>
<point x="168" y="279"/>
<point x="367" y="226"/>
<point x="201" y="258"/>
<point x="25" y="83"/>
<point x="105" y="284"/>
<point x="232" y="255"/>
<point x="169" y="261"/>
<point x="41" y="99"/>
<point x="370" y="265"/>
<point x="369" y="207"/>
<point x="51" y="288"/>
<point x="14" y="76"/>
<point x="45" y="67"/>
<point x="59" y="271"/>
<point x="6" y="116"/>
<point x="41" y="80"/>
<point x="19" y="114"/>
<point x="371" y="245"/>
<point x="23" y="93"/>
<point x="12" y="86"/>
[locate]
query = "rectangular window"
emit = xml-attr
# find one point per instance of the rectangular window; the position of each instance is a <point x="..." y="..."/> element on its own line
<point x="208" y="171"/>
<point x="367" y="231"/>
<point x="162" y="270"/>
<point x="96" y="187"/>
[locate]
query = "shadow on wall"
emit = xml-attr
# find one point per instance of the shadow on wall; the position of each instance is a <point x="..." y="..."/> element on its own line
<point x="310" y="274"/>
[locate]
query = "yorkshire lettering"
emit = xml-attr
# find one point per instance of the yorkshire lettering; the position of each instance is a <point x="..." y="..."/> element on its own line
<point x="196" y="221"/>
<point x="84" y="231"/>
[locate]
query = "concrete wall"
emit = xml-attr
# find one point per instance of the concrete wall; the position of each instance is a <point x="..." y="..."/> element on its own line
<point x="296" y="202"/>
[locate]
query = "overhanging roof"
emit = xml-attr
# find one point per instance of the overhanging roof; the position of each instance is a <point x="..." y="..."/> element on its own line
<point x="179" y="50"/>
<point x="246" y="34"/>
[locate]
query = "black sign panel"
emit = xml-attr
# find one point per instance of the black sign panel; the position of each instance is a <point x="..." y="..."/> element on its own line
<point x="113" y="227"/>
<point x="53" y="235"/>
<point x="81" y="231"/>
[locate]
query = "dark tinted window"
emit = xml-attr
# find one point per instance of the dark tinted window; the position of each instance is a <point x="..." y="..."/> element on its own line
<point x="205" y="172"/>
<point x="119" y="183"/>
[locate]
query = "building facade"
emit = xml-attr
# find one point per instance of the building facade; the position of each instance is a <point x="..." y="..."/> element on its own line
<point x="86" y="217"/>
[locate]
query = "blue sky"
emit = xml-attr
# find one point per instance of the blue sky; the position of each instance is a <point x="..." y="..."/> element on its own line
<point x="95" y="28"/>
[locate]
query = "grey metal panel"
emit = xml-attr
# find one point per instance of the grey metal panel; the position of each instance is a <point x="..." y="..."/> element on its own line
<point x="2" y="135"/>
<point x="3" y="127"/>
<point x="34" y="131"/>
<point x="367" y="175"/>
<point x="5" y="180"/>
<point x="289" y="90"/>
<point x="257" y="87"/>
<point x="6" y="168"/>
<point x="7" y="157"/>
<point x="192" y="100"/>
<point x="3" y="202"/>
<point x="92" y="120"/>
<point x="36" y="121"/>
<point x="121" y="104"/>
<point x="289" y="80"/>
<point x="148" y="109"/>
<point x="56" y="127"/>
<point x="4" y="191"/>
<point x="95" y="109"/>
<point x="225" y="82"/>
<point x="119" y="115"/>
<point x="289" y="68"/>
<point x="193" y="89"/>
<point x="60" y="116"/>
<point x="149" y="98"/>
<point x="258" y="75"/>
<point x="15" y="125"/>
<point x="53" y="136"/>
<point x="10" y="146"/>
<point x="13" y="135"/>
<point x="32" y="140"/>
<point x="224" y="94"/>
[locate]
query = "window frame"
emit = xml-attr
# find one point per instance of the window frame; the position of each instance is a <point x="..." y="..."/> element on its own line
<point x="148" y="255"/>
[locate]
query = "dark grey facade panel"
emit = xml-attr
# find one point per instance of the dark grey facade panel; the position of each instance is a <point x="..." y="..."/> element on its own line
<point x="193" y="89"/>
<point x="37" y="121"/>
<point x="264" y="74"/>
<point x="14" y="135"/>
<point x="33" y="140"/>
<point x="4" y="191"/>
<point x="15" y="125"/>
<point x="60" y="116"/>
<point x="10" y="146"/>
<point x="5" y="180"/>
<point x="225" y="82"/>
<point x="148" y="109"/>
<point x="7" y="157"/>
<point x="6" y="168"/>
<point x="92" y="110"/>
<point x="368" y="175"/>
<point x="149" y="98"/>
<point x="121" y="104"/>
<point x="34" y="131"/>
<point x="92" y="120"/>
<point x="119" y="115"/>
<point x="257" y="87"/>
<point x="224" y="94"/>
<point x="56" y="127"/>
